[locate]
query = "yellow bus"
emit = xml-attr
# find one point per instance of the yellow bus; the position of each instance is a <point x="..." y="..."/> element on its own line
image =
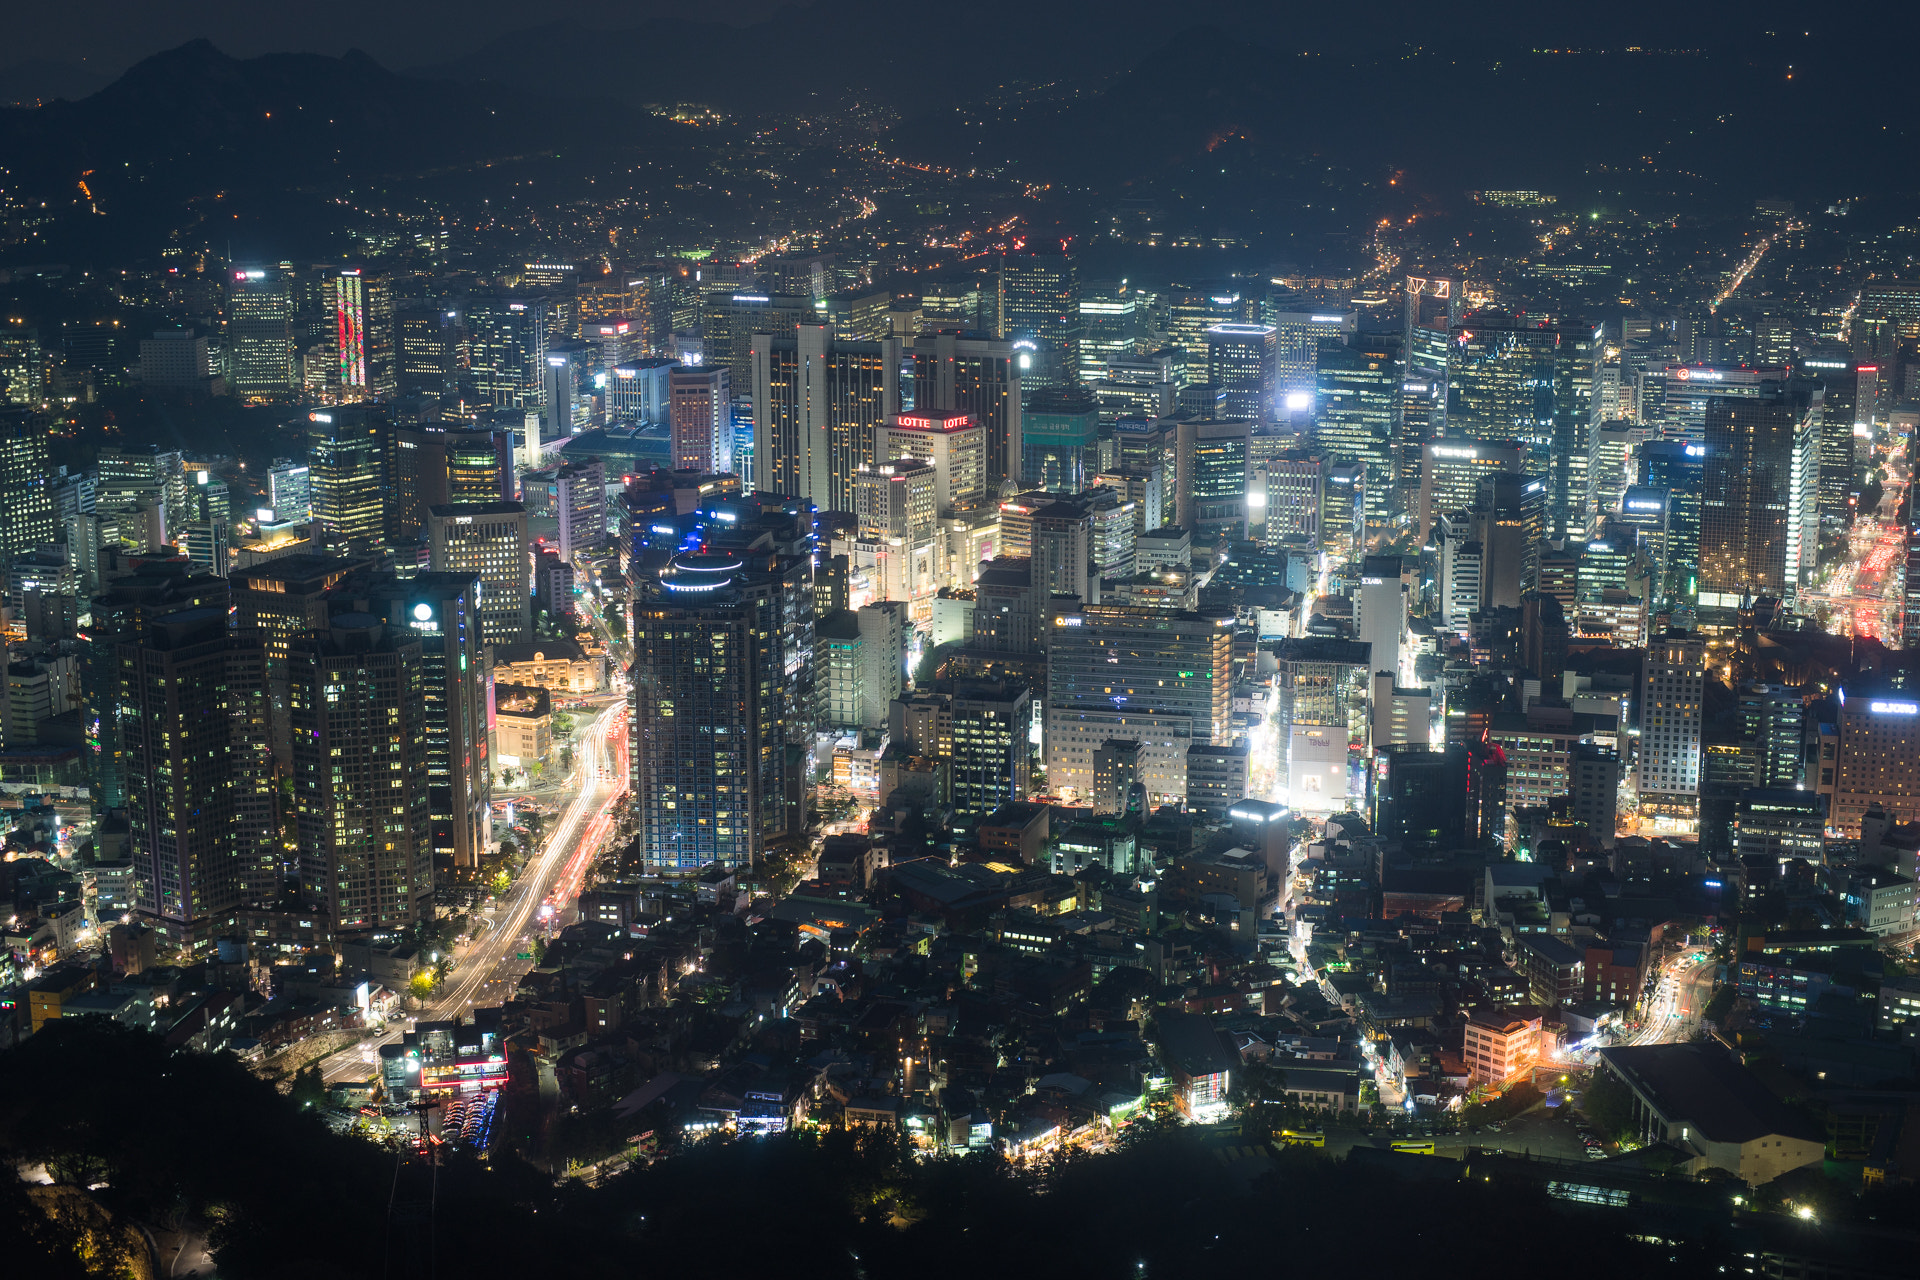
<point x="1301" y="1138"/>
<point x="1414" y="1146"/>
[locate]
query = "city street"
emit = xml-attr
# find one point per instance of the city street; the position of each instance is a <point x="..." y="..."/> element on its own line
<point x="490" y="967"/>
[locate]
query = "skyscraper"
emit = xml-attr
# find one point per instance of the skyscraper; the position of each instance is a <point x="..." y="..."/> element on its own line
<point x="992" y="751"/>
<point x="952" y="442"/>
<point x="1510" y="520"/>
<point x="281" y="598"/>
<point x="360" y="782"/>
<point x="287" y="490"/>
<point x="1356" y="405"/>
<point x="1059" y="439"/>
<point x="191" y="708"/>
<point x="1210" y="493"/>
<point x="441" y="611"/>
<point x="260" y="334"/>
<point x="980" y="377"/>
<point x="431" y="347"/>
<point x="1672" y="684"/>
<point x="123" y="613"/>
<point x="360" y="305"/>
<point x="1242" y="360"/>
<point x="721" y="717"/>
<point x="488" y="540"/>
<point x="702" y="414"/>
<point x="816" y="403"/>
<point x="1040" y="304"/>
<point x="26" y="505"/>
<point x="1747" y="494"/>
<point x="1509" y="378"/>
<point x="1159" y="676"/>
<point x="507" y="349"/>
<point x="580" y="506"/>
<point x="345" y="475"/>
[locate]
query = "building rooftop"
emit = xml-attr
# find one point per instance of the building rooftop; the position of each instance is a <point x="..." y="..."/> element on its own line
<point x="1709" y="1090"/>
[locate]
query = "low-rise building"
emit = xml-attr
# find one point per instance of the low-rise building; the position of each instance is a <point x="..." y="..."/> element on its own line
<point x="1501" y="1044"/>
<point x="1699" y="1099"/>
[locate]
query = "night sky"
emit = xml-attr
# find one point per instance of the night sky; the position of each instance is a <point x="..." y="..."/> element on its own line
<point x="105" y="36"/>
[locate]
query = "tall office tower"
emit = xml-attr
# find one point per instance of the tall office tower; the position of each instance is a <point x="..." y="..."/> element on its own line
<point x="639" y="394"/>
<point x="1746" y="498"/>
<point x="864" y="652"/>
<point x="1298" y="339"/>
<point x="1672" y="684"/>
<point x="1877" y="762"/>
<point x="580" y="505"/>
<point x="1888" y="315"/>
<point x="191" y="704"/>
<point x="488" y="540"/>
<point x="1380" y="613"/>
<point x="1450" y="475"/>
<point x="259" y="334"/>
<point x="992" y="752"/>
<point x="816" y="404"/>
<point x="896" y="500"/>
<point x="23" y="369"/>
<point x="1040" y="305"/>
<point x="1143" y="445"/>
<point x="280" y="599"/>
<point x="1593" y="780"/>
<point x="1606" y="563"/>
<point x="1059" y="439"/>
<point x="1609" y="446"/>
<point x="206" y="521"/>
<point x="1774" y="729"/>
<point x="346" y="481"/>
<point x="1210" y="482"/>
<point x="977" y="376"/>
<point x="721" y="711"/>
<point x="1674" y="398"/>
<point x="431" y="349"/>
<point x="123" y="613"/>
<point x="1645" y="512"/>
<point x="361" y="790"/>
<point x="1111" y="320"/>
<point x="609" y="298"/>
<point x="1193" y="309"/>
<point x="1510" y="516"/>
<point x="287" y="490"/>
<point x="1417" y="429"/>
<point x="1910" y="602"/>
<point x="1356" y="405"/>
<point x="480" y="466"/>
<point x="702" y="414"/>
<point x="1462" y="569"/>
<point x="561" y="407"/>
<point x="1295" y="492"/>
<point x="1323" y="685"/>
<point x="507" y="349"/>
<point x="1838" y="399"/>
<point x="26" y="505"/>
<point x="612" y="343"/>
<point x="441" y="611"/>
<point x="139" y="476"/>
<point x="1343" y="517"/>
<point x="1510" y="379"/>
<point x="952" y="443"/>
<point x="1677" y="469"/>
<point x="1426" y="796"/>
<point x="360" y="307"/>
<point x="1159" y="676"/>
<point x="733" y="317"/>
<point x="1803" y="501"/>
<point x="1243" y="360"/>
